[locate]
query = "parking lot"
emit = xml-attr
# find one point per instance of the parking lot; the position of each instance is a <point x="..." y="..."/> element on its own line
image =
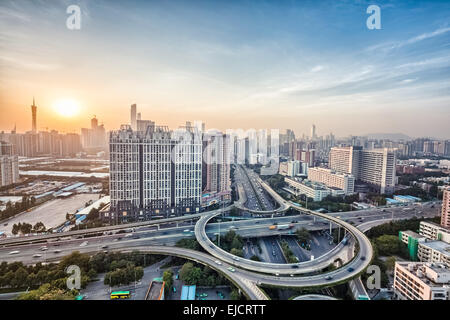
<point x="51" y="213"/>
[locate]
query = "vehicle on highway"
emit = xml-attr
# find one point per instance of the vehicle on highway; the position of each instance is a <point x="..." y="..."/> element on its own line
<point x="294" y="266"/>
<point x="328" y="278"/>
<point x="236" y="258"/>
<point x="281" y="226"/>
<point x="83" y="244"/>
<point x="120" y="295"/>
<point x="350" y="269"/>
<point x="363" y="258"/>
<point x="277" y="274"/>
<point x="43" y="248"/>
<point x="218" y="262"/>
<point x="37" y="255"/>
<point x="128" y="235"/>
<point x="231" y="269"/>
<point x="14" y="252"/>
<point x="56" y="251"/>
<point x="104" y="246"/>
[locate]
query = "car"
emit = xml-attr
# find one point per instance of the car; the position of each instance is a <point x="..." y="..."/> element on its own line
<point x="350" y="269"/>
<point x="43" y="248"/>
<point x="236" y="258"/>
<point x="104" y="246"/>
<point x="83" y="244"/>
<point x="14" y="252"/>
<point x="363" y="258"/>
<point x="57" y="251"/>
<point x="291" y="275"/>
<point x="294" y="266"/>
<point x="218" y="262"/>
<point x="231" y="269"/>
<point x="37" y="255"/>
<point x="328" y="278"/>
<point x="5" y="224"/>
<point x="277" y="274"/>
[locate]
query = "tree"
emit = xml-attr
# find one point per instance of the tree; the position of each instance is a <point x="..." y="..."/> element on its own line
<point x="237" y="252"/>
<point x="388" y="245"/>
<point x="234" y="295"/>
<point x="303" y="235"/>
<point x="20" y="278"/>
<point x="390" y="263"/>
<point x="168" y="279"/>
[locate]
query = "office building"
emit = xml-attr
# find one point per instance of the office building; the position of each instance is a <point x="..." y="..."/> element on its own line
<point x="331" y="178"/>
<point x="421" y="281"/>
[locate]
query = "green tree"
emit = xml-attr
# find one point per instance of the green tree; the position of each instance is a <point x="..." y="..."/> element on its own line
<point x="168" y="279"/>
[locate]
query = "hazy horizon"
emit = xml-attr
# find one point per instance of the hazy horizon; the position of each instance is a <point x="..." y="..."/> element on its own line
<point x="231" y="64"/>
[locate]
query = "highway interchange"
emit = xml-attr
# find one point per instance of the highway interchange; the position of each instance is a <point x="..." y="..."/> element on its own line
<point x="246" y="274"/>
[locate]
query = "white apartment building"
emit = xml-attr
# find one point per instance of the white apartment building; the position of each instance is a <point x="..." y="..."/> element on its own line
<point x="375" y="167"/>
<point x="154" y="173"/>
<point x="434" y="251"/>
<point x="331" y="178"/>
<point x="421" y="281"/>
<point x="434" y="231"/>
<point x="312" y="190"/>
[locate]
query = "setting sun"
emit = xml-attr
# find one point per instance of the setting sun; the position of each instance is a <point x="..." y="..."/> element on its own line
<point x="66" y="108"/>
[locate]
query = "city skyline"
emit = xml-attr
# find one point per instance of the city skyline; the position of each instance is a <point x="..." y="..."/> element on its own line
<point x="272" y="65"/>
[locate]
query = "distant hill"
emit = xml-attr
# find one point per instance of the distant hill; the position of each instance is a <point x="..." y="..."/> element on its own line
<point x="389" y="136"/>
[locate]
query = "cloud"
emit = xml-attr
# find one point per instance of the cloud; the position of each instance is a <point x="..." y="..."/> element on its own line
<point x="399" y="44"/>
<point x="317" y="68"/>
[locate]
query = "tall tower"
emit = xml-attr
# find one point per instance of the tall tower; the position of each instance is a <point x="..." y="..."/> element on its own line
<point x="33" y="117"/>
<point x="133" y="121"/>
<point x="313" y="132"/>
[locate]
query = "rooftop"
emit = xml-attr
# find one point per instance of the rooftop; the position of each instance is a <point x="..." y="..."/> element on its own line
<point x="439" y="246"/>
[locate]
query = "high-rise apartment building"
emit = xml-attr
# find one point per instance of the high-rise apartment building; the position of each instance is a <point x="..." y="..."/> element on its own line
<point x="95" y="137"/>
<point x="9" y="165"/>
<point x="154" y="173"/>
<point x="445" y="211"/>
<point x="216" y="163"/>
<point x="375" y="167"/>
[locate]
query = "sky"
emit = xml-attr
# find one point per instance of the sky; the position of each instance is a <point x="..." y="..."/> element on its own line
<point x="233" y="64"/>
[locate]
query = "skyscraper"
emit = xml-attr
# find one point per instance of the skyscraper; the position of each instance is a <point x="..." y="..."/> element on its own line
<point x="216" y="163"/>
<point x="9" y="165"/>
<point x="375" y="167"/>
<point x="154" y="173"/>
<point x="33" y="117"/>
<point x="133" y="117"/>
<point x="445" y="211"/>
<point x="313" y="132"/>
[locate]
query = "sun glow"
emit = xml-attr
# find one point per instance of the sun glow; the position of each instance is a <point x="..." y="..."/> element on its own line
<point x="66" y="108"/>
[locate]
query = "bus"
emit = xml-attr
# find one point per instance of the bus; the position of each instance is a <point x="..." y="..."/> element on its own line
<point x="120" y="295"/>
